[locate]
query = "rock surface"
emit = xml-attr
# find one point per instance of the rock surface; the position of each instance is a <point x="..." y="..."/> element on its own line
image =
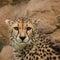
<point x="6" y="53"/>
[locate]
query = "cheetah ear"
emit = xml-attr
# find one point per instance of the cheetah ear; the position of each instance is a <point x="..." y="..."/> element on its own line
<point x="8" y="22"/>
<point x="36" y="21"/>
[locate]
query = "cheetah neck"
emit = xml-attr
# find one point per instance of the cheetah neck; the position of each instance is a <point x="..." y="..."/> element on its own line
<point x="24" y="52"/>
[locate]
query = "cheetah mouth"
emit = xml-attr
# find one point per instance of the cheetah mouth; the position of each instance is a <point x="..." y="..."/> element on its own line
<point x="29" y="41"/>
<point x="19" y="46"/>
<point x="22" y="45"/>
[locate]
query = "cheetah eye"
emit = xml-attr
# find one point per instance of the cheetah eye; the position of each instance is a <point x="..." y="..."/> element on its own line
<point x="28" y="28"/>
<point x="16" y="28"/>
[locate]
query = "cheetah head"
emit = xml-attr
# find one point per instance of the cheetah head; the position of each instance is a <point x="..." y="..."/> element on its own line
<point x="22" y="32"/>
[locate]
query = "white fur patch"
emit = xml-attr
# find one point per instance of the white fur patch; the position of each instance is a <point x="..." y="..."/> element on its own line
<point x="7" y="21"/>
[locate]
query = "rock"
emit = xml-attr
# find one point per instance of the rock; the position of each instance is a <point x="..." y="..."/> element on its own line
<point x="46" y="26"/>
<point x="56" y="36"/>
<point x="41" y="10"/>
<point x="6" y="53"/>
<point x="58" y="22"/>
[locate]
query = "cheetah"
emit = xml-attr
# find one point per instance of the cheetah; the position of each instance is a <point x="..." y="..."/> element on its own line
<point x="27" y="43"/>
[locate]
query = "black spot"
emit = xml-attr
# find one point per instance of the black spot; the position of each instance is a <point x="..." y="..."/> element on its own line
<point x="46" y="47"/>
<point x="47" y="58"/>
<point x="59" y="57"/>
<point x="54" y="58"/>
<point x="36" y="53"/>
<point x="32" y="59"/>
<point x="40" y="43"/>
<point x="41" y="40"/>
<point x="53" y="51"/>
<point x="36" y="58"/>
<point x="40" y="53"/>
<point x="39" y="49"/>
<point x="18" y="55"/>
<point x="23" y="52"/>
<point x="29" y="58"/>
<point x="31" y="54"/>
<point x="48" y="50"/>
<point x="50" y="58"/>
<point x="44" y="55"/>
<point x="30" y="48"/>
<point x="42" y="46"/>
<point x="50" y="53"/>
<point x="35" y="49"/>
<point x="41" y="56"/>
<point x="22" y="59"/>
<point x="43" y="51"/>
<point x="47" y="53"/>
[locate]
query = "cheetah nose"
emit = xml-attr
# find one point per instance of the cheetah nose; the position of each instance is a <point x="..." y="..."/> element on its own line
<point x="22" y="37"/>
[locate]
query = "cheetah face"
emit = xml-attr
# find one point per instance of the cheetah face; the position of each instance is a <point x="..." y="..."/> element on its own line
<point x="21" y="31"/>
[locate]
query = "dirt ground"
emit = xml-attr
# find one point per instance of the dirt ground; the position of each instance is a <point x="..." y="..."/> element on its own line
<point x="47" y="11"/>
